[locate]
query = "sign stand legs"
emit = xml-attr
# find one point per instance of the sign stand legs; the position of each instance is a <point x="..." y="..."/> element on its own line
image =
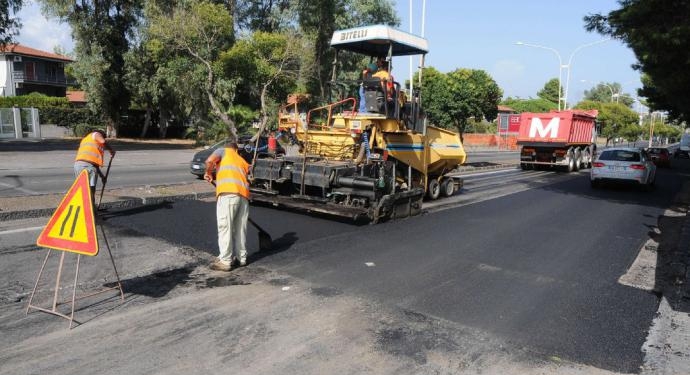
<point x="55" y="304"/>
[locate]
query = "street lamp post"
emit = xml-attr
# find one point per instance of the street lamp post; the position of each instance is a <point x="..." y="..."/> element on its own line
<point x="561" y="67"/>
<point x="570" y="61"/>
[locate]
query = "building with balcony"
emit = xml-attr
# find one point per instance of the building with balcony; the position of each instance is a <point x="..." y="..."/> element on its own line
<point x="24" y="70"/>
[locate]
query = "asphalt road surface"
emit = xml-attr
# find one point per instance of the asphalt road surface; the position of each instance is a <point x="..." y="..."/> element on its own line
<point x="33" y="170"/>
<point x="533" y="257"/>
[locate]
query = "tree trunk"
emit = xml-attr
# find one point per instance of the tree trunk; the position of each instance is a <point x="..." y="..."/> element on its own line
<point x="147" y="122"/>
<point x="163" y="119"/>
<point x="111" y="128"/>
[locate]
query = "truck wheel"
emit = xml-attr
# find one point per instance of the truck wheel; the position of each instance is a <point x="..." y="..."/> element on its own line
<point x="571" y="164"/>
<point x="447" y="187"/>
<point x="434" y="189"/>
<point x="524" y="166"/>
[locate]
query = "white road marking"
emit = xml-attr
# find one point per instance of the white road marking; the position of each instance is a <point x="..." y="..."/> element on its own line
<point x="23" y="190"/>
<point x="30" y="229"/>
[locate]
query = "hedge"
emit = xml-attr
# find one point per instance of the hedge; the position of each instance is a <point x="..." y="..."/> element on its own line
<point x="36" y="101"/>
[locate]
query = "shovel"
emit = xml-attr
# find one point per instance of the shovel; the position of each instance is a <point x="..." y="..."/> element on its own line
<point x="265" y="240"/>
<point x="106" y="179"/>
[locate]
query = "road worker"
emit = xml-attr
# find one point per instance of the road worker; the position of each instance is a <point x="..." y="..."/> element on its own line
<point x="232" y="205"/>
<point x="90" y="158"/>
<point x="366" y="74"/>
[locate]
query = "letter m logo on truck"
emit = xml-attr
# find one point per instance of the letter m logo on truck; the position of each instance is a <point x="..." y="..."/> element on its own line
<point x="549" y="131"/>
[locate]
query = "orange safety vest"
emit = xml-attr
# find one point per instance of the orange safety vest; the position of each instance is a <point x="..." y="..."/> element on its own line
<point x="231" y="175"/>
<point x="388" y="78"/>
<point x="90" y="150"/>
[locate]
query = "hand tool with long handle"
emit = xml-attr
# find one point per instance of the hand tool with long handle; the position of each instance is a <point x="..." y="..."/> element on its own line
<point x="105" y="179"/>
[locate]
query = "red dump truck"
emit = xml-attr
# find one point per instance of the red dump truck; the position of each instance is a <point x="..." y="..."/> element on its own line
<point x="558" y="139"/>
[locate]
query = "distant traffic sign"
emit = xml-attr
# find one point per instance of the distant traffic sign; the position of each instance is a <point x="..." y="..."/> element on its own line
<point x="72" y="227"/>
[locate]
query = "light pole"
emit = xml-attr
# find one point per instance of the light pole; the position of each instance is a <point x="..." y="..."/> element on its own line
<point x="560" y="65"/>
<point x="570" y="60"/>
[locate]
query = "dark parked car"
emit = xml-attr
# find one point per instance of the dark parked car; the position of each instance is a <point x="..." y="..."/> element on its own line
<point x="245" y="148"/>
<point x="660" y="156"/>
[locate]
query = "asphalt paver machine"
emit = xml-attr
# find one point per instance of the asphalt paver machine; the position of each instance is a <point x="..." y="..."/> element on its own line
<point x="368" y="154"/>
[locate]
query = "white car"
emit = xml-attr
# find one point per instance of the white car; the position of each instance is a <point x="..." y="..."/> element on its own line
<point x="622" y="164"/>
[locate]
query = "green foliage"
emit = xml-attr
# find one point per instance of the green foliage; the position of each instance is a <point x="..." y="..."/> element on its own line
<point x="199" y="31"/>
<point x="551" y="90"/>
<point x="82" y="129"/>
<point x="451" y="100"/>
<point x="9" y="25"/>
<point x="319" y="19"/>
<point x="101" y="31"/>
<point x="530" y="105"/>
<point x="67" y="117"/>
<point x="608" y="92"/>
<point x="613" y="118"/>
<point x="658" y="32"/>
<point x="33" y="100"/>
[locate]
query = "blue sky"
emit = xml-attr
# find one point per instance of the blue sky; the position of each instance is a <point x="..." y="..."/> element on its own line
<point x="477" y="35"/>
<point x="482" y="35"/>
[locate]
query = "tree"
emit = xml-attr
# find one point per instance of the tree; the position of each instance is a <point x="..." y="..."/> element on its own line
<point x="269" y="62"/>
<point x="319" y="19"/>
<point x="608" y="92"/>
<point x="659" y="34"/>
<point x="551" y="90"/>
<point x="264" y="15"/>
<point x="613" y="118"/>
<point x="450" y="100"/>
<point x="530" y="105"/>
<point x="9" y="25"/>
<point x="101" y="29"/>
<point x="201" y="31"/>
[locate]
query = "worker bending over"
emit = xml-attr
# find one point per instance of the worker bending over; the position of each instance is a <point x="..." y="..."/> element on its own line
<point x="90" y="158"/>
<point x="232" y="205"/>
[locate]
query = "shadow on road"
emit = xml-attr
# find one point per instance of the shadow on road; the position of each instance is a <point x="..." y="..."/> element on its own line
<point x="158" y="284"/>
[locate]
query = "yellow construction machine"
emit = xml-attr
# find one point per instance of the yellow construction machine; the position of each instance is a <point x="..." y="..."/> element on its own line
<point x="369" y="156"/>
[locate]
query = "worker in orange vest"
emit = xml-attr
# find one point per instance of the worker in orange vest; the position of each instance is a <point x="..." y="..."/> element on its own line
<point x="232" y="205"/>
<point x="90" y="157"/>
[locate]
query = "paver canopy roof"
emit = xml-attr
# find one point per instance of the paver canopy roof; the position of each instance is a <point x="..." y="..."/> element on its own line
<point x="374" y="41"/>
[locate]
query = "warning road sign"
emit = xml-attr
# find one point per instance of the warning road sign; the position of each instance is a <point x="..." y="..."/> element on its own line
<point x="72" y="227"/>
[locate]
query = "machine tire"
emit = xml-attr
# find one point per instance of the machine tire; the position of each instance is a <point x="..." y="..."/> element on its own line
<point x="523" y="166"/>
<point x="447" y="187"/>
<point x="433" y="190"/>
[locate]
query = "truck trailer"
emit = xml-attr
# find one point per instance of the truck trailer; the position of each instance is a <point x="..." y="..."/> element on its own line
<point x="564" y="140"/>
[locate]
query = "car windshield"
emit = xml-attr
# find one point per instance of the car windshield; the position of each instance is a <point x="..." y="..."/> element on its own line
<point x="657" y="151"/>
<point x="620" y="155"/>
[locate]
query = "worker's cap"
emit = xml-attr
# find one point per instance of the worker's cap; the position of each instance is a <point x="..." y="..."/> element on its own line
<point x="100" y="131"/>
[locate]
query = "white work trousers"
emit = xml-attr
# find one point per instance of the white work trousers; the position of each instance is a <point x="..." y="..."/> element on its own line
<point x="232" y="212"/>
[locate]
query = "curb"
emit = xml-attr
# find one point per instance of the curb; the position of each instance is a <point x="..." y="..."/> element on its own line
<point x="125" y="203"/>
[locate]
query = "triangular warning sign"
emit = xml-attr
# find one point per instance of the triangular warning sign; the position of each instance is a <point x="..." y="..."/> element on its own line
<point x="72" y="227"/>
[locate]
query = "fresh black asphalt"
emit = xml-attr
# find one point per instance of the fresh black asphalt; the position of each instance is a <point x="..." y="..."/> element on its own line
<point x="538" y="268"/>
